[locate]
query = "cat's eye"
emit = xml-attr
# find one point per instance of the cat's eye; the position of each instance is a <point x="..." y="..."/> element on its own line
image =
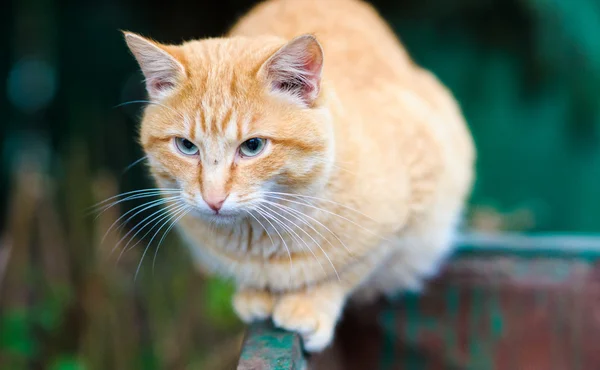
<point x="252" y="147"/>
<point x="185" y="146"/>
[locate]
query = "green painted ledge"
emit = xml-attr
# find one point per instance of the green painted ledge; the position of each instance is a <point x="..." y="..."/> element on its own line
<point x="266" y="347"/>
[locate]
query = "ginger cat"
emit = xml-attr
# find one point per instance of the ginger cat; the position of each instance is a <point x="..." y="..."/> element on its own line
<point x="307" y="158"/>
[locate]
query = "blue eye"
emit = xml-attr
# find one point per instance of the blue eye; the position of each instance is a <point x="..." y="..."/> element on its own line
<point x="252" y="147"/>
<point x="185" y="146"/>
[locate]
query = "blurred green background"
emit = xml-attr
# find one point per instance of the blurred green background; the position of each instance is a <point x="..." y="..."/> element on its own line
<point x="527" y="74"/>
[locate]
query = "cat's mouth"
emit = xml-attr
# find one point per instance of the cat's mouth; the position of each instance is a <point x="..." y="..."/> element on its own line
<point x="224" y="214"/>
<point x="220" y="217"/>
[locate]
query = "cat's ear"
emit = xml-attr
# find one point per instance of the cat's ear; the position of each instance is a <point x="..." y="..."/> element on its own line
<point x="161" y="69"/>
<point x="295" y="70"/>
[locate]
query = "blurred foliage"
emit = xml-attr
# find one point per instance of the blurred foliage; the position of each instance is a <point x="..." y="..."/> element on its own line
<point x="526" y="73"/>
<point x="69" y="302"/>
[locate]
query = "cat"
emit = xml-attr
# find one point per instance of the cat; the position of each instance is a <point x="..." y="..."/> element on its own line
<point x="307" y="158"/>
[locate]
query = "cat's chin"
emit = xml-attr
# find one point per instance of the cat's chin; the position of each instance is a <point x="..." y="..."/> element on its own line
<point x="220" y="219"/>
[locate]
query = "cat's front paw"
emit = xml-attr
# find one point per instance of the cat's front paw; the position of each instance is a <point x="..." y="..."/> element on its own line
<point x="312" y="318"/>
<point x="252" y="305"/>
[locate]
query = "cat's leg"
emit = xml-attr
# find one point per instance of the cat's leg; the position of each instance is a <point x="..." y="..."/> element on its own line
<point x="253" y="305"/>
<point x="312" y="313"/>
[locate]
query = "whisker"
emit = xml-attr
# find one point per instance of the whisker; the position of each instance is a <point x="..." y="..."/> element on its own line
<point x="157" y="220"/>
<point x="282" y="240"/>
<point x="329" y="212"/>
<point x="295" y="237"/>
<point x="334" y="160"/>
<point x="161" y="212"/>
<point x="290" y="210"/>
<point x="265" y="214"/>
<point x="180" y="210"/>
<point x="345" y="169"/>
<point x="334" y="164"/>
<point x="105" y="208"/>
<point x="264" y="228"/>
<point x="134" y="192"/>
<point x="148" y="102"/>
<point x="165" y="234"/>
<point x="312" y="238"/>
<point x="323" y="200"/>
<point x="137" y="192"/>
<point x="302" y="240"/>
<point x="133" y="164"/>
<point x="147" y="205"/>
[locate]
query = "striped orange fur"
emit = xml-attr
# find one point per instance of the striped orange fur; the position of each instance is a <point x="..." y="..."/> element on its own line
<point x="363" y="177"/>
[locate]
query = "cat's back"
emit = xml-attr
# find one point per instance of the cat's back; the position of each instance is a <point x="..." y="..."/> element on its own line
<point x="359" y="46"/>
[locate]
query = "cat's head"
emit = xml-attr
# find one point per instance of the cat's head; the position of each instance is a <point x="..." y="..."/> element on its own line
<point x="233" y="119"/>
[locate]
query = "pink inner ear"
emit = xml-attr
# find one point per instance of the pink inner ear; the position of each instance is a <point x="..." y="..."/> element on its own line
<point x="158" y="85"/>
<point x="313" y="69"/>
<point x="312" y="64"/>
<point x="296" y="69"/>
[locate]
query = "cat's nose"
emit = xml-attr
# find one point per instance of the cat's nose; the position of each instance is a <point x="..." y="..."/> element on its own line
<point x="215" y="202"/>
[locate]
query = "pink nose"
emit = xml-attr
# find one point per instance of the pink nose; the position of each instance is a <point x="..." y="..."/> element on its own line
<point x="215" y="203"/>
